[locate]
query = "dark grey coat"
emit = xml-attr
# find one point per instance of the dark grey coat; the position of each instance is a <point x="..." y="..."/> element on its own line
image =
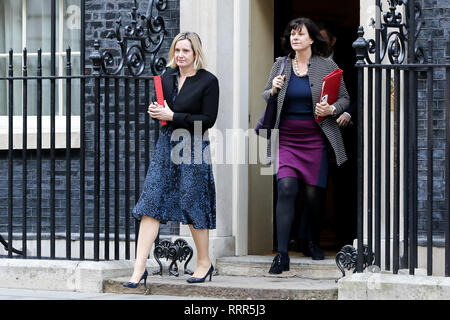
<point x="318" y="68"/>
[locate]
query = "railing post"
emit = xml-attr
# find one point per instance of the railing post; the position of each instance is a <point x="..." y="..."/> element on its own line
<point x="430" y="160"/>
<point x="68" y="152"/>
<point x="39" y="157"/>
<point x="412" y="130"/>
<point x="24" y="153"/>
<point x="360" y="46"/>
<point x="53" y="132"/>
<point x="377" y="200"/>
<point x="96" y="58"/>
<point x="82" y="133"/>
<point x="447" y="157"/>
<point x="10" y="154"/>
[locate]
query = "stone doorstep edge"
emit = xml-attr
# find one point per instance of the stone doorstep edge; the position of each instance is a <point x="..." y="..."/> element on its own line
<point x="244" y="293"/>
<point x="64" y="275"/>
<point x="162" y="288"/>
<point x="268" y="263"/>
<point x="324" y="272"/>
<point x="385" y="286"/>
<point x="301" y="267"/>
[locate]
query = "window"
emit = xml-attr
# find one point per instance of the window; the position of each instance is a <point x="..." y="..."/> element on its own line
<point x="27" y="24"/>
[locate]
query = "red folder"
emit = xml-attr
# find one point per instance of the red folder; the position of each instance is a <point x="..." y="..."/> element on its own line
<point x="159" y="94"/>
<point x="330" y="89"/>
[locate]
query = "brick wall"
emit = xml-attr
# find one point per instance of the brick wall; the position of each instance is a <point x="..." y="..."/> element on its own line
<point x="436" y="26"/>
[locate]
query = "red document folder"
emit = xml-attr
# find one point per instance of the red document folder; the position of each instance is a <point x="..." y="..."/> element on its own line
<point x="159" y="93"/>
<point x="330" y="89"/>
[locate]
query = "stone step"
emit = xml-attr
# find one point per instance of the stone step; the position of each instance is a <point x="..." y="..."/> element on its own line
<point x="232" y="287"/>
<point x="258" y="266"/>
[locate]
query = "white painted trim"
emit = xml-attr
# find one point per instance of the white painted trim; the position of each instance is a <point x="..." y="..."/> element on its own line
<point x="60" y="132"/>
<point x="60" y="59"/>
<point x="214" y="21"/>
<point x="44" y="54"/>
<point x="241" y="53"/>
<point x="24" y="23"/>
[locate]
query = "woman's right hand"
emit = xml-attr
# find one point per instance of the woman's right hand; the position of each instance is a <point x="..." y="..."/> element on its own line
<point x="277" y="83"/>
<point x="152" y="108"/>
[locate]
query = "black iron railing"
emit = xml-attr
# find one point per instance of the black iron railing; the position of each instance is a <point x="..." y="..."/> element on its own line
<point x="113" y="114"/>
<point x="106" y="88"/>
<point x="397" y="57"/>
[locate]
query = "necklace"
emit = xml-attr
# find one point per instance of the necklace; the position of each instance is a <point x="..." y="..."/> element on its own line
<point x="297" y="70"/>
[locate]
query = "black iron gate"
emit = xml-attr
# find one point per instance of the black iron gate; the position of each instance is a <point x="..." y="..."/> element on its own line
<point x="113" y="116"/>
<point x="395" y="77"/>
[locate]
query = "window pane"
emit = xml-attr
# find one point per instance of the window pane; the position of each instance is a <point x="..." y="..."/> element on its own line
<point x="3" y="67"/>
<point x="10" y="37"/>
<point x="32" y="86"/>
<point x="17" y="89"/>
<point x="39" y="25"/>
<point x="38" y="35"/>
<point x="75" y="99"/>
<point x="72" y="24"/>
<point x="10" y="25"/>
<point x="46" y="61"/>
<point x="3" y="72"/>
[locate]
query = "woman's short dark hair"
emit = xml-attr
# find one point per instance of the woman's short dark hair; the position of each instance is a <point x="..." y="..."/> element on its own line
<point x="319" y="46"/>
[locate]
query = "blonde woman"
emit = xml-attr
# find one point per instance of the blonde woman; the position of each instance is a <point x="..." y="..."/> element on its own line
<point x="182" y="192"/>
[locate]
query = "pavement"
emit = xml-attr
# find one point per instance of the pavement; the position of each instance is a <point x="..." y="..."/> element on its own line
<point x="23" y="294"/>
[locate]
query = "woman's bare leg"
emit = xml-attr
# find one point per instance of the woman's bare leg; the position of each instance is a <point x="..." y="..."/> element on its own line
<point x="201" y="239"/>
<point x="148" y="231"/>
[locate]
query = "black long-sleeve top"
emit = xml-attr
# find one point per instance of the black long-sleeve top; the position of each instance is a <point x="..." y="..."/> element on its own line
<point x="198" y="99"/>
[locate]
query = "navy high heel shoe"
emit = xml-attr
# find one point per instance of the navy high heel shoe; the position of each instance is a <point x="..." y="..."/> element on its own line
<point x="198" y="280"/>
<point x="134" y="285"/>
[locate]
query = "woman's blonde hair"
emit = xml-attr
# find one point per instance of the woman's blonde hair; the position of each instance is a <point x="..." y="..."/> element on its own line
<point x="196" y="44"/>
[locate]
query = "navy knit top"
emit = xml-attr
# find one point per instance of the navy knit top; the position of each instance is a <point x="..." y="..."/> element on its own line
<point x="298" y="100"/>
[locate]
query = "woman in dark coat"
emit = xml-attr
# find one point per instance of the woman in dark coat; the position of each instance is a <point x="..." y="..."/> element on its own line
<point x="303" y="143"/>
<point x="180" y="187"/>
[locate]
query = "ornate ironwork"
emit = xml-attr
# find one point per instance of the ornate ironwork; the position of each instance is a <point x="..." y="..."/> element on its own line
<point x="176" y="251"/>
<point x="6" y="245"/>
<point x="392" y="42"/>
<point x="360" y="46"/>
<point x="419" y="54"/>
<point x="146" y="34"/>
<point x="347" y="257"/>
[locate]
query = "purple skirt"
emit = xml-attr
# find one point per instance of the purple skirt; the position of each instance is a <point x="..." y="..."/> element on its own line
<point x="302" y="152"/>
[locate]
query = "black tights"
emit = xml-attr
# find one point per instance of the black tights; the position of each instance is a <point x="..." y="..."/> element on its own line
<point x="312" y="208"/>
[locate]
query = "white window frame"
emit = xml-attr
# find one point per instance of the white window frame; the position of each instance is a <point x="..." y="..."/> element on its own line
<point x="60" y="119"/>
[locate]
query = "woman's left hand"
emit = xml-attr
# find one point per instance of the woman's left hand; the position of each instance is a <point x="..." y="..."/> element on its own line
<point x="159" y="112"/>
<point x="324" y="109"/>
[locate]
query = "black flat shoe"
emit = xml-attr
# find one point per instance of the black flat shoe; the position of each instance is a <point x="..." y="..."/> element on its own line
<point x="199" y="280"/>
<point x="316" y="253"/>
<point x="302" y="246"/>
<point x="279" y="264"/>
<point x="134" y="285"/>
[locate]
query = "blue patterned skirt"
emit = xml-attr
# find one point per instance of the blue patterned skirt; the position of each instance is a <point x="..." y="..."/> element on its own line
<point x="181" y="192"/>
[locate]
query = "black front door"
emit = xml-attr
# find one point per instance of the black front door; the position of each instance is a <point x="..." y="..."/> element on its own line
<point x="341" y="19"/>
